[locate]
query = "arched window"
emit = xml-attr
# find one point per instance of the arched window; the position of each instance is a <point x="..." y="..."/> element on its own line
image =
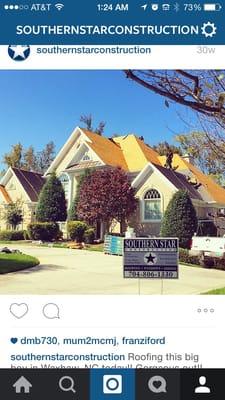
<point x="86" y="157"/>
<point x="65" y="183"/>
<point x="152" y="205"/>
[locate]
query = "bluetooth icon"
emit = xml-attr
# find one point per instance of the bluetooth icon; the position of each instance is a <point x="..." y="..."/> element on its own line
<point x="176" y="7"/>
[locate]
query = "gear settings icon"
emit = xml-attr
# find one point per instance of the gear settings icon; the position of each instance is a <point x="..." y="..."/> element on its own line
<point x="209" y="29"/>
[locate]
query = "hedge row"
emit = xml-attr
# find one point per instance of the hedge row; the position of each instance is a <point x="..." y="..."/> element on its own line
<point x="195" y="260"/>
<point x="49" y="231"/>
<point x="13" y="235"/>
<point x="186" y="258"/>
<point x="46" y="231"/>
<point x="81" y="232"/>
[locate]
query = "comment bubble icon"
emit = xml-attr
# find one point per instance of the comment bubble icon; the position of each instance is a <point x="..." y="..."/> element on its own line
<point x="51" y="311"/>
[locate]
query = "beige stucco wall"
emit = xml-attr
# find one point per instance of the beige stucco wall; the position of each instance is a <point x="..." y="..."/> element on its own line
<point x="154" y="181"/>
<point x="16" y="193"/>
<point x="2" y="222"/>
<point x="15" y="190"/>
<point x="66" y="160"/>
<point x="68" y="157"/>
<point x="142" y="228"/>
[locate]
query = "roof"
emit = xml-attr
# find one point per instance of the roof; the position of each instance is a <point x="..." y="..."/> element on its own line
<point x="32" y="182"/>
<point x="84" y="164"/>
<point x="180" y="182"/>
<point x="107" y="150"/>
<point x="120" y="151"/>
<point x="5" y="194"/>
<point x="148" y="152"/>
<point x="132" y="154"/>
<point x="216" y="192"/>
<point x="136" y="153"/>
<point x="178" y="161"/>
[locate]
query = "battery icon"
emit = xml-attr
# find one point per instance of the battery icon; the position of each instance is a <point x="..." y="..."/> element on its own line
<point x="212" y="7"/>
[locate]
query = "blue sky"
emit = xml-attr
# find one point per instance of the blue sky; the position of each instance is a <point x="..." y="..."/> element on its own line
<point x="39" y="106"/>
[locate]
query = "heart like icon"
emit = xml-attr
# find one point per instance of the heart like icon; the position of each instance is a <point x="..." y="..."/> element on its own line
<point x="14" y="340"/>
<point x="19" y="310"/>
<point x="157" y="384"/>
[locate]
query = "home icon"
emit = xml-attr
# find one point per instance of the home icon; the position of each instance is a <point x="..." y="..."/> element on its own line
<point x="22" y="385"/>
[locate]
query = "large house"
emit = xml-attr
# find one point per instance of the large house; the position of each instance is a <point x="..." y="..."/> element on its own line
<point x="23" y="186"/>
<point x="154" y="183"/>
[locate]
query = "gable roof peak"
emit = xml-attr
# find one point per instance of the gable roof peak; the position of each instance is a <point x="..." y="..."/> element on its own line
<point x="25" y="170"/>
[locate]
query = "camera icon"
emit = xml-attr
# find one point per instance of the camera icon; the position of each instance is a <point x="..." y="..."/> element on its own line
<point x="112" y="384"/>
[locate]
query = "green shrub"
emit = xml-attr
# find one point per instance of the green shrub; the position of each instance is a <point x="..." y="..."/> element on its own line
<point x="51" y="205"/>
<point x="13" y="235"/>
<point x="186" y="258"/>
<point x="46" y="231"/>
<point x="76" y="230"/>
<point x="180" y="219"/>
<point x="89" y="236"/>
<point x="219" y="264"/>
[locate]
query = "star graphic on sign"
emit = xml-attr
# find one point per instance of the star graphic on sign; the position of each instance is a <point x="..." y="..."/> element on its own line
<point x="19" y="52"/>
<point x="150" y="258"/>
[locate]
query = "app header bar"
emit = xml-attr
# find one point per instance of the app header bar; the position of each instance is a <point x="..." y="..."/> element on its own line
<point x="98" y="23"/>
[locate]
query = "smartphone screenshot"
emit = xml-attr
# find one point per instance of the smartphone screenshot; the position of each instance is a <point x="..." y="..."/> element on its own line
<point x="112" y="200"/>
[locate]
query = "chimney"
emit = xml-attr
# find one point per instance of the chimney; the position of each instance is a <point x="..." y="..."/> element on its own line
<point x="188" y="158"/>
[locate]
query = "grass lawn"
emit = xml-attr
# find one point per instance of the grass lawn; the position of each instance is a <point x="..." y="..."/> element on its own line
<point x="15" y="242"/>
<point x="95" y="247"/>
<point x="216" y="291"/>
<point x="189" y="265"/>
<point x="16" y="262"/>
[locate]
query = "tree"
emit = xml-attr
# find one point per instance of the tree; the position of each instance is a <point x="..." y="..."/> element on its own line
<point x="163" y="147"/>
<point x="51" y="205"/>
<point x="45" y="157"/>
<point x="105" y="195"/>
<point x="14" y="214"/>
<point x="201" y="91"/>
<point x="88" y="122"/>
<point x="14" y="157"/>
<point x="29" y="159"/>
<point x="72" y="213"/>
<point x="180" y="219"/>
<point x="203" y="155"/>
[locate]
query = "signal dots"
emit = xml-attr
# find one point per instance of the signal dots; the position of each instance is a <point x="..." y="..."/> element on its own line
<point x="12" y="7"/>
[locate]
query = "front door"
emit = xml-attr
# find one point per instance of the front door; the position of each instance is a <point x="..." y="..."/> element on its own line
<point x="100" y="230"/>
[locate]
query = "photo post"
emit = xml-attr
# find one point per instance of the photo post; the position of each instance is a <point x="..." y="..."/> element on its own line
<point x="112" y="200"/>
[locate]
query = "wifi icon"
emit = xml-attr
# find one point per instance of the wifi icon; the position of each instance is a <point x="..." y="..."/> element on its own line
<point x="59" y="6"/>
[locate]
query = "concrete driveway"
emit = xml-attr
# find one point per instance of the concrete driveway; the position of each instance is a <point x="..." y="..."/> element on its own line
<point x="64" y="271"/>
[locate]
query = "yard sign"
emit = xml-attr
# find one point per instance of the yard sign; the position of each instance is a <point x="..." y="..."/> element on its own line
<point x="151" y="258"/>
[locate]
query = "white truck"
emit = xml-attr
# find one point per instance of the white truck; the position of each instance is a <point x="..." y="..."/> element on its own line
<point x="207" y="248"/>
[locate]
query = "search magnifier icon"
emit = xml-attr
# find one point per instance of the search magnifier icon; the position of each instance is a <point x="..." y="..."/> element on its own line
<point x="66" y="384"/>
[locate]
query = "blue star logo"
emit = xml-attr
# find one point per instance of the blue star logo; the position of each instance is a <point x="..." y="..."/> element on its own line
<point x="19" y="52"/>
<point x="150" y="258"/>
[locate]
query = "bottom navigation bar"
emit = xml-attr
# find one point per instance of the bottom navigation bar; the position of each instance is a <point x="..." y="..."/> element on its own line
<point x="107" y="384"/>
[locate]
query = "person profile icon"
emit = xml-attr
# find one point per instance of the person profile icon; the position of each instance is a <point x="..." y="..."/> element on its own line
<point x="202" y="388"/>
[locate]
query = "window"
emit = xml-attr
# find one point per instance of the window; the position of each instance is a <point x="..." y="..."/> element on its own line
<point x="86" y="157"/>
<point x="152" y="205"/>
<point x="65" y="183"/>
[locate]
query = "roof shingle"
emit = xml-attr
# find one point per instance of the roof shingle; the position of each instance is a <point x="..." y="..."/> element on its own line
<point x="32" y="182"/>
<point x="216" y="192"/>
<point x="108" y="151"/>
